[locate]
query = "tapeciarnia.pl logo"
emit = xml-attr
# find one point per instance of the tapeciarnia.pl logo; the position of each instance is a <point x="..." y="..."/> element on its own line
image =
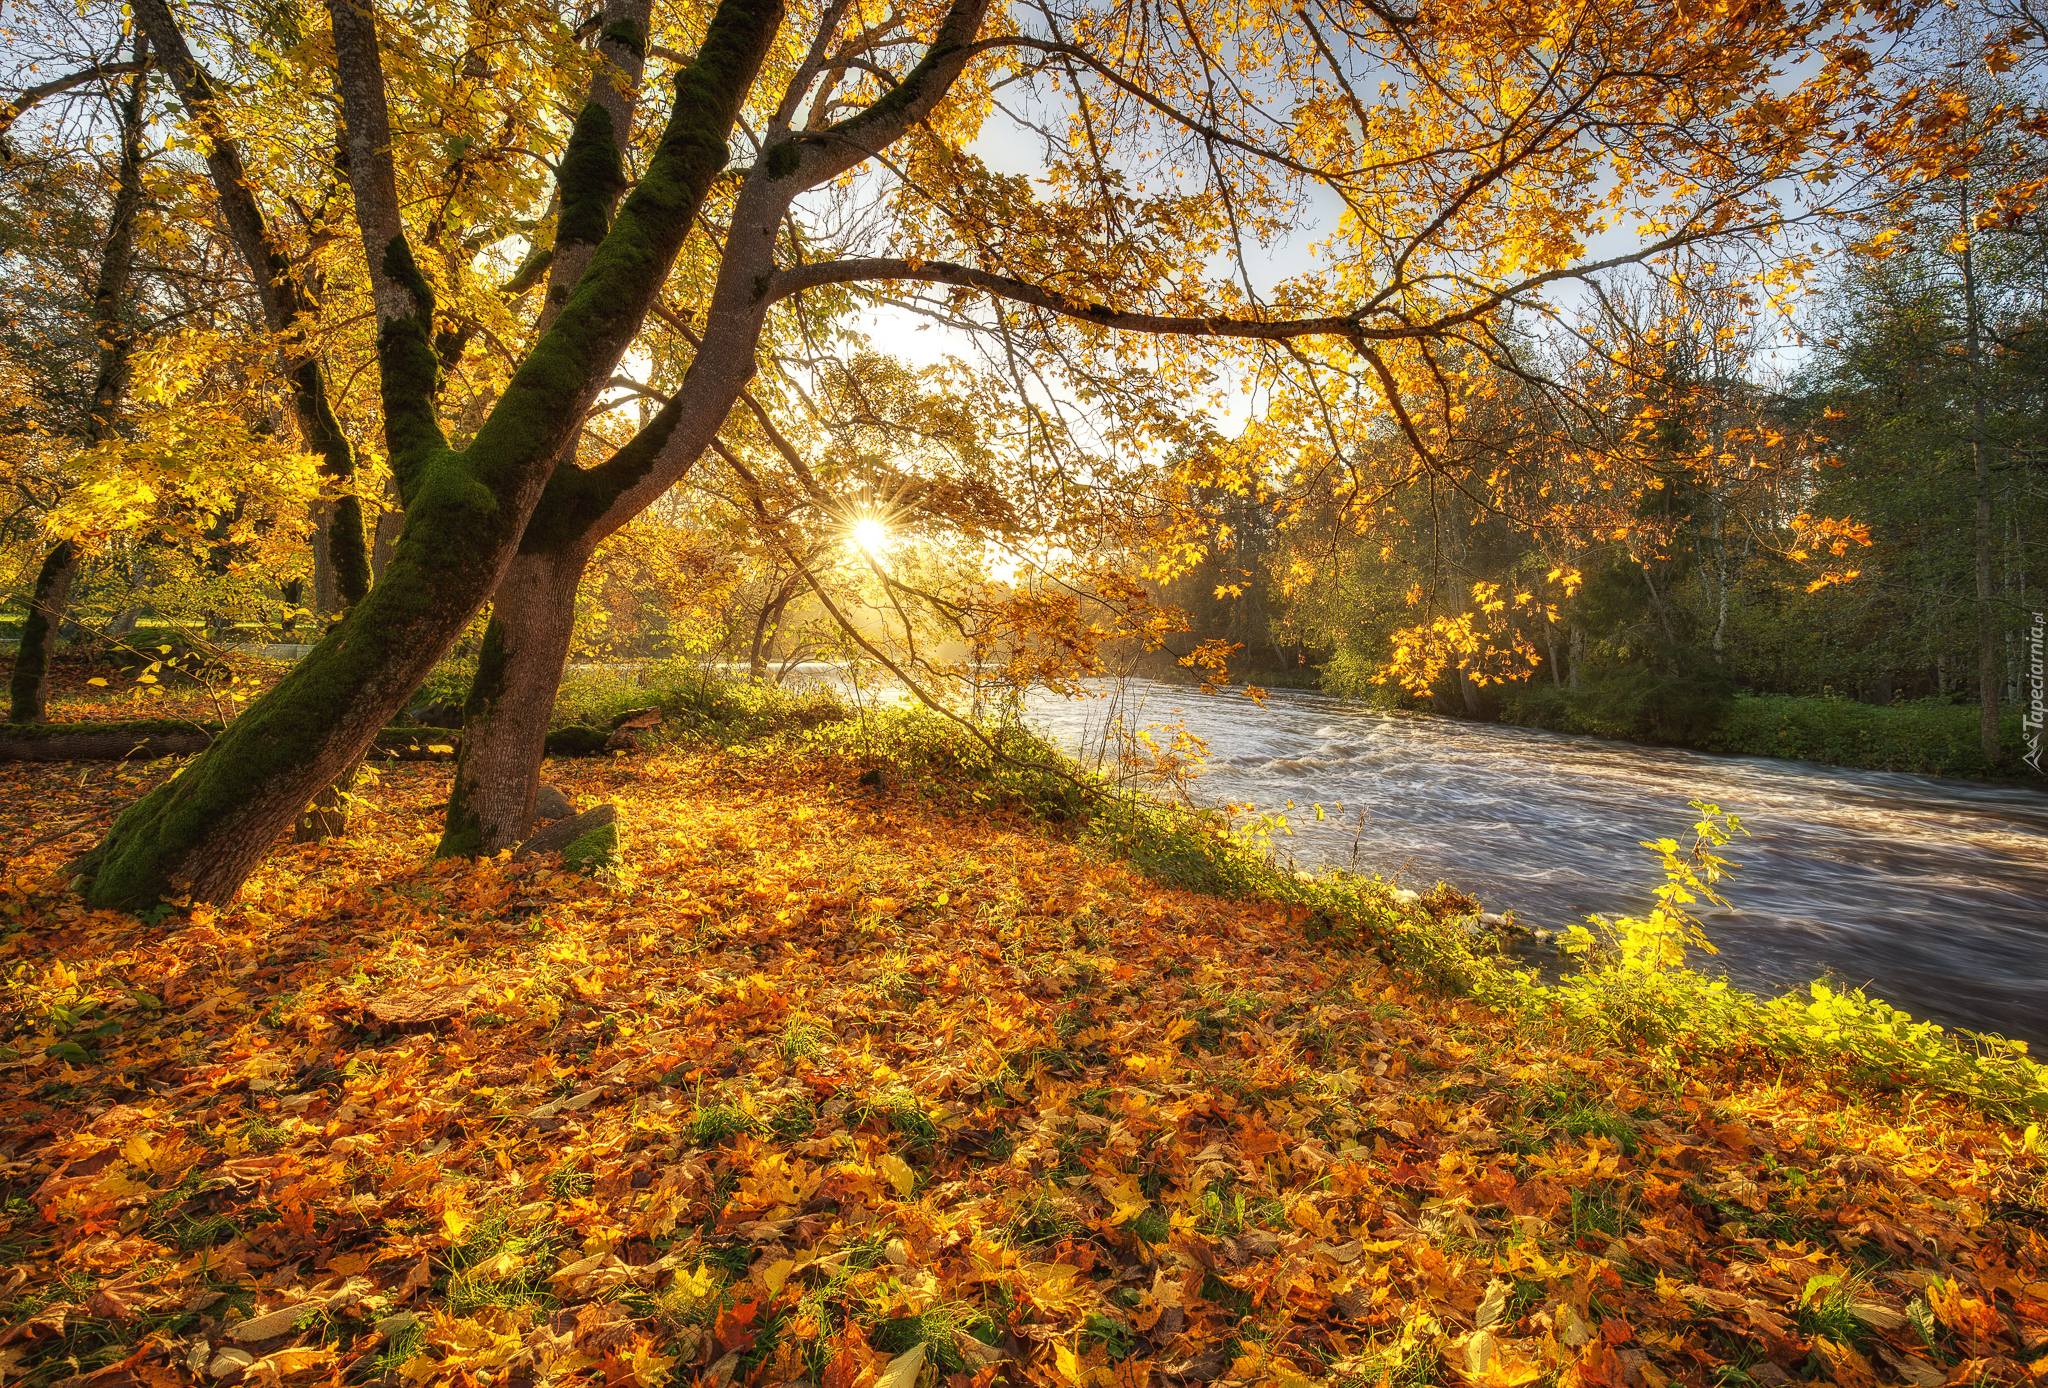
<point x="2037" y="704"/>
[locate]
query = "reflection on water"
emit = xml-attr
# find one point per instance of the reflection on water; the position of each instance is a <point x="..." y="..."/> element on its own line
<point x="1933" y="894"/>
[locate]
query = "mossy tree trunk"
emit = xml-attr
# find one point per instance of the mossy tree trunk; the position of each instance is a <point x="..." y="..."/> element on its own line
<point x="203" y="833"/>
<point x="584" y="505"/>
<point x="533" y="613"/>
<point x="29" y="686"/>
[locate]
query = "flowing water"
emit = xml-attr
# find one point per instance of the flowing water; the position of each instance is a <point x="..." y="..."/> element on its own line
<point x="1932" y="894"/>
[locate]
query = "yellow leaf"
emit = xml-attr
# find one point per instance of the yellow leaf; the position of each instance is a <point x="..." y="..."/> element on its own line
<point x="649" y="1368"/>
<point x="899" y="1173"/>
<point x="288" y="1362"/>
<point x="696" y="1284"/>
<point x="902" y="1371"/>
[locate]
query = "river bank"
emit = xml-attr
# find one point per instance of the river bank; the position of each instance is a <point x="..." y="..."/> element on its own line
<point x="1924" y="737"/>
<point x="1930" y="893"/>
<point x="834" y="1079"/>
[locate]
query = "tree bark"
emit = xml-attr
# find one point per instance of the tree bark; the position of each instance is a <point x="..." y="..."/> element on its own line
<point x="390" y="521"/>
<point x="327" y="816"/>
<point x="203" y="833"/>
<point x="505" y="720"/>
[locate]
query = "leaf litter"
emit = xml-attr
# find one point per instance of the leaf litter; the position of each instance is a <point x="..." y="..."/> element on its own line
<point x="871" y="1091"/>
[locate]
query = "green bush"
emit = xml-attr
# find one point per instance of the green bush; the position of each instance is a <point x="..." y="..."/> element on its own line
<point x="1929" y="736"/>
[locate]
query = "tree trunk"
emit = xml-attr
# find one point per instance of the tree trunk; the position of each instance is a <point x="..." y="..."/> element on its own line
<point x="505" y="721"/>
<point x="390" y="521"/>
<point x="1980" y="458"/>
<point x="326" y="598"/>
<point x="584" y="505"/>
<point x="29" y="690"/>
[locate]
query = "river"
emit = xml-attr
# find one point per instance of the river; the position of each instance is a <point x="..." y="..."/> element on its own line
<point x="1931" y="894"/>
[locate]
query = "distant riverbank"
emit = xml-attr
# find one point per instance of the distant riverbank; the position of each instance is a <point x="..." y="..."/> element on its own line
<point x="1925" y="737"/>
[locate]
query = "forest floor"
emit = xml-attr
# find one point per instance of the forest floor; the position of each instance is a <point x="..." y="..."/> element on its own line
<point x="865" y="1087"/>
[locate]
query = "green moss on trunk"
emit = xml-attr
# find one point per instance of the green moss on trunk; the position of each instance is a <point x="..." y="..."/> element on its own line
<point x="590" y="177"/>
<point x="577" y="741"/>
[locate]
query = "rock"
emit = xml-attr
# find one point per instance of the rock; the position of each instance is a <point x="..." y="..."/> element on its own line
<point x="564" y="832"/>
<point x="594" y="851"/>
<point x="1404" y="897"/>
<point x="550" y="803"/>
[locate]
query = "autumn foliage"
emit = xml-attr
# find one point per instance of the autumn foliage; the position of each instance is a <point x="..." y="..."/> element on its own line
<point x="867" y="1087"/>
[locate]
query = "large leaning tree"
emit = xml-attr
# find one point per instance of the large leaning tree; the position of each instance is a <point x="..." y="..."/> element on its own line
<point x="1455" y="163"/>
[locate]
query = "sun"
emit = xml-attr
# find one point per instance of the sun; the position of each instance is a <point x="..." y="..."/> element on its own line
<point x="871" y="535"/>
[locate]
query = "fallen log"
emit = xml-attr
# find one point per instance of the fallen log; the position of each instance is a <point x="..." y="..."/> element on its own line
<point x="148" y="739"/>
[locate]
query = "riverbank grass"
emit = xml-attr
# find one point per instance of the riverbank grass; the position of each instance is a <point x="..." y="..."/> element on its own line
<point x="915" y="1077"/>
<point x="1927" y="737"/>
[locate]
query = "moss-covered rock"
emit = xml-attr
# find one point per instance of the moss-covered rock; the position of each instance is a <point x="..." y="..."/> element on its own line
<point x="576" y="740"/>
<point x="592" y="852"/>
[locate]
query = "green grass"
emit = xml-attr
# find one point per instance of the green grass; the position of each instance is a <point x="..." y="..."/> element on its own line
<point x="1928" y="737"/>
<point x="697" y="705"/>
<point x="716" y="1124"/>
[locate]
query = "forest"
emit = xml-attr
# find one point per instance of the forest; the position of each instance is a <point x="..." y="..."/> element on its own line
<point x="540" y="541"/>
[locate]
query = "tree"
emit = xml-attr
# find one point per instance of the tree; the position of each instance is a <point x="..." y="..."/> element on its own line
<point x="112" y="329"/>
<point x="1466" y="182"/>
